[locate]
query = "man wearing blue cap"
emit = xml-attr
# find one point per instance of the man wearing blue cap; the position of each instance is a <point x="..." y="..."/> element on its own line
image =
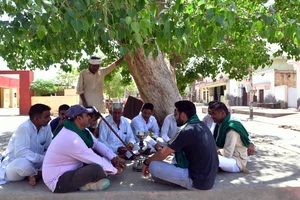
<point x="73" y="159"/>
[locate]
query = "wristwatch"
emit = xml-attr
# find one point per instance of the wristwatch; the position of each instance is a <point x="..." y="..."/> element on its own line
<point x="145" y="162"/>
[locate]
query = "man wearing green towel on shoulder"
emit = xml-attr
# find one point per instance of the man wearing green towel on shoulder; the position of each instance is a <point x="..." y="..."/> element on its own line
<point x="195" y="153"/>
<point x="232" y="139"/>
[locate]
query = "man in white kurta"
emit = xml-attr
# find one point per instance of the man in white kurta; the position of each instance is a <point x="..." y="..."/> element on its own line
<point x="168" y="130"/>
<point x="122" y="127"/>
<point x="27" y="146"/>
<point x="147" y="123"/>
<point x="91" y="81"/>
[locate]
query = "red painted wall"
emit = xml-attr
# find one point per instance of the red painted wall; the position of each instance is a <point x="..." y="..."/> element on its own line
<point x="25" y="78"/>
<point x="8" y="82"/>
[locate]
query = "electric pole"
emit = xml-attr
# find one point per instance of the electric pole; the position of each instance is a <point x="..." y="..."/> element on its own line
<point x="251" y="95"/>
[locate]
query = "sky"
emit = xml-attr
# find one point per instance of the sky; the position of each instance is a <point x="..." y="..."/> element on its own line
<point x="38" y="74"/>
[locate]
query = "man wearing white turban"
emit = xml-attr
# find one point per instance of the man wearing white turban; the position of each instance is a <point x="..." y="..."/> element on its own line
<point x="90" y="83"/>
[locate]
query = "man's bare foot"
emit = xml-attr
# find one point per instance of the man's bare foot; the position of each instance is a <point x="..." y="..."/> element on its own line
<point x="31" y="180"/>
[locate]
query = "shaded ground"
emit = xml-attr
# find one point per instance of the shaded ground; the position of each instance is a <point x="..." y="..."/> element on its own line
<point x="274" y="172"/>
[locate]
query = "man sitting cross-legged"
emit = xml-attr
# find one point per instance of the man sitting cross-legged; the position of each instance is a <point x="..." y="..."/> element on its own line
<point x="27" y="146"/>
<point x="195" y="153"/>
<point x="73" y="158"/>
<point x="211" y="125"/>
<point x="231" y="138"/>
<point x="147" y="123"/>
<point x="122" y="127"/>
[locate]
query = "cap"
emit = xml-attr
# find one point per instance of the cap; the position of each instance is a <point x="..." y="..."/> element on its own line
<point x="76" y="110"/>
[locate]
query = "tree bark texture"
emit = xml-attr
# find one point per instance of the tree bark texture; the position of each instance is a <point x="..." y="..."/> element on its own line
<point x="156" y="82"/>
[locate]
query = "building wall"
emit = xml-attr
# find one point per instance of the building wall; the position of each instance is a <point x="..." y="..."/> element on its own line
<point x="55" y="101"/>
<point x="264" y="80"/>
<point x="286" y="77"/>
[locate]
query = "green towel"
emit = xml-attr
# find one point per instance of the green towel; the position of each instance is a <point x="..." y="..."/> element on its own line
<point x="84" y="134"/>
<point x="228" y="125"/>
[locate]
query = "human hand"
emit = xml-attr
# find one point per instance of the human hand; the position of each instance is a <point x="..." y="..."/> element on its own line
<point x="61" y="121"/>
<point x="129" y="146"/>
<point x="219" y="152"/>
<point x="145" y="171"/>
<point x="84" y="103"/>
<point x="251" y="149"/>
<point x="120" y="170"/>
<point x="158" y="147"/>
<point x="122" y="150"/>
<point x="118" y="162"/>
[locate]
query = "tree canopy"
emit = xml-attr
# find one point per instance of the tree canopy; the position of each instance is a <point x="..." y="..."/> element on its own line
<point x="199" y="37"/>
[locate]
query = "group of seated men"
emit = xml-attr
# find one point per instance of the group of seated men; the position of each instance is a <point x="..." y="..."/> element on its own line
<point x="76" y="154"/>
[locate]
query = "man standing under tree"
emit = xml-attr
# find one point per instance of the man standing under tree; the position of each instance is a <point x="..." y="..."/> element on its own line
<point x="90" y="83"/>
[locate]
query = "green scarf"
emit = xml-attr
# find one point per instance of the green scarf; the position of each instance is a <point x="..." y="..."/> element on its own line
<point x="228" y="125"/>
<point x="181" y="160"/>
<point x="84" y="134"/>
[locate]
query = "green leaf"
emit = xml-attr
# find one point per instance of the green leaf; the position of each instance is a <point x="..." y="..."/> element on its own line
<point x="38" y="19"/>
<point x="55" y="26"/>
<point x="120" y="35"/>
<point x="179" y="32"/>
<point x="268" y="20"/>
<point x="181" y="7"/>
<point x="220" y="36"/>
<point x="165" y="17"/>
<point x="291" y="21"/>
<point x="289" y="31"/>
<point x="72" y="13"/>
<point x="132" y="2"/>
<point x="279" y="35"/>
<point x="105" y="37"/>
<point x="132" y="12"/>
<point x="77" y="25"/>
<point x="298" y="35"/>
<point x="128" y="20"/>
<point x="144" y="24"/>
<point x="219" y="19"/>
<point x="42" y="31"/>
<point x="209" y="30"/>
<point x="135" y="27"/>
<point x="123" y="51"/>
<point x="138" y="38"/>
<point x="210" y="13"/>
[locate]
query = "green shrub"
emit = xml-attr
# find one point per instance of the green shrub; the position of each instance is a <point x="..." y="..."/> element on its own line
<point x="44" y="87"/>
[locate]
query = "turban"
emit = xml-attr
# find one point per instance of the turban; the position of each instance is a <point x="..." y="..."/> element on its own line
<point x="95" y="60"/>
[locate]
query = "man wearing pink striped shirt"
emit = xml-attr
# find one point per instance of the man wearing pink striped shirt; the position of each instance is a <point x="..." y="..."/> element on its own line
<point x="75" y="159"/>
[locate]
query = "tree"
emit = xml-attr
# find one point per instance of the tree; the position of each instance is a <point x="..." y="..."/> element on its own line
<point x="160" y="39"/>
<point x="44" y="87"/>
<point x="114" y="87"/>
<point x="67" y="79"/>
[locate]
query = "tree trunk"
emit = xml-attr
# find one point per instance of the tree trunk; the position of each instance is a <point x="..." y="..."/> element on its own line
<point x="156" y="81"/>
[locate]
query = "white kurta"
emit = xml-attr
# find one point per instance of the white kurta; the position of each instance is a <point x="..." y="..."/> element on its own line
<point x="107" y="137"/>
<point x="169" y="128"/>
<point x="27" y="143"/>
<point x="139" y="124"/>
